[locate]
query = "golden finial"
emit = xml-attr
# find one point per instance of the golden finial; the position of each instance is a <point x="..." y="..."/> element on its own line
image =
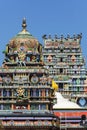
<point x="24" y="25"/>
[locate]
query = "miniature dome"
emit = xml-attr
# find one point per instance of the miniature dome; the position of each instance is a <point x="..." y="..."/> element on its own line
<point x="23" y="49"/>
<point x="24" y="40"/>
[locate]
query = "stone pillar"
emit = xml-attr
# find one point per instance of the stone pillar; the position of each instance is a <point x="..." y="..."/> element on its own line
<point x="39" y="106"/>
<point x="12" y="93"/>
<point x="28" y="93"/>
<point x="46" y="106"/>
<point x="1" y="106"/>
<point x="28" y="106"/>
<point x="12" y="107"/>
<point x="47" y="92"/>
<point x="39" y="92"/>
<point x="2" y="93"/>
<point x="7" y="92"/>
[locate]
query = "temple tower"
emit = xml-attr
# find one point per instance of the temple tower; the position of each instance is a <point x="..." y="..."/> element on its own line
<point x="63" y="57"/>
<point x="26" y="93"/>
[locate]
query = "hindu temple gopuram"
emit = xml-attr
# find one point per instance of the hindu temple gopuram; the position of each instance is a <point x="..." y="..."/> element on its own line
<point x="63" y="57"/>
<point x="43" y="86"/>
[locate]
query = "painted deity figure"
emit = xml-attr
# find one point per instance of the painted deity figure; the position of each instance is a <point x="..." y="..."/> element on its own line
<point x="20" y="92"/>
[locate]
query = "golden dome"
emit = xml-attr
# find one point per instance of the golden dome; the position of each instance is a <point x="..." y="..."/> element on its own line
<point x="24" y="38"/>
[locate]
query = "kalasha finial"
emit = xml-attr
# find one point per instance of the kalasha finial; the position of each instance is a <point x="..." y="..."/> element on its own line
<point x="24" y="25"/>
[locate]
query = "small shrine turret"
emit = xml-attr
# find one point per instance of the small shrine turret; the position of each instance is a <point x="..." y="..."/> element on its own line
<point x="23" y="49"/>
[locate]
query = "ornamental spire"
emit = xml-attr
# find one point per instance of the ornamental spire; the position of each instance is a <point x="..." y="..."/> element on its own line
<point x="24" y="25"/>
